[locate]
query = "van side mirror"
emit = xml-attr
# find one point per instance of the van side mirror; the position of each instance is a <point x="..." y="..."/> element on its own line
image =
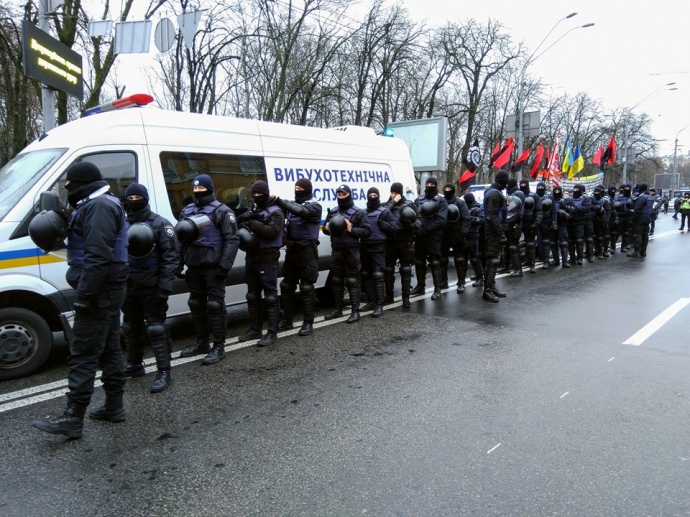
<point x="49" y="200"/>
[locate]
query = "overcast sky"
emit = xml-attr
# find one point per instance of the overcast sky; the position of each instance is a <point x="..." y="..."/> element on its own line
<point x="634" y="48"/>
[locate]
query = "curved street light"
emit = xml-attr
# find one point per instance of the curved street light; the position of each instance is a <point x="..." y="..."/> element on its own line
<point x="676" y="179"/>
<point x="531" y="59"/>
<point x="627" y="114"/>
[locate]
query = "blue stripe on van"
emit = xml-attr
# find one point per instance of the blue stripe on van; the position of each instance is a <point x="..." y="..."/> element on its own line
<point x="17" y="254"/>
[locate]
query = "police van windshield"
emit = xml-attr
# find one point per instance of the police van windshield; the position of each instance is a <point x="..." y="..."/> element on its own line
<point x="22" y="173"/>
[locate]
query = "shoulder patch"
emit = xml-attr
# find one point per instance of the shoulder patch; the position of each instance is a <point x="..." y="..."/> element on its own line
<point x="231" y="217"/>
<point x="169" y="231"/>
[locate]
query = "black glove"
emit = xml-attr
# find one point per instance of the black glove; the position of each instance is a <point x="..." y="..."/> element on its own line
<point x="84" y="305"/>
<point x="245" y="217"/>
<point x="179" y="273"/>
<point x="222" y="273"/>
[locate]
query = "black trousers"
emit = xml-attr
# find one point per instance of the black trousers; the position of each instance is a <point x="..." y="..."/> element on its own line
<point x="96" y="344"/>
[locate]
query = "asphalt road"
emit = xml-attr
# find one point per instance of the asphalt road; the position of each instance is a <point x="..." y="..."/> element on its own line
<point x="533" y="406"/>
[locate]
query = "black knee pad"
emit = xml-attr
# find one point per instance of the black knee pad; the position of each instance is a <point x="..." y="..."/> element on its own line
<point x="530" y="245"/>
<point x="512" y="248"/>
<point x="459" y="261"/>
<point x="435" y="263"/>
<point x="126" y="328"/>
<point x="579" y="242"/>
<point x="495" y="261"/>
<point x="306" y="288"/>
<point x="214" y="306"/>
<point x="351" y="282"/>
<point x="377" y="275"/>
<point x="337" y="280"/>
<point x="420" y="262"/>
<point x="365" y="275"/>
<point x="271" y="300"/>
<point x="252" y="297"/>
<point x="155" y="331"/>
<point x="287" y="287"/>
<point x="195" y="304"/>
<point x="389" y="271"/>
<point x="406" y="270"/>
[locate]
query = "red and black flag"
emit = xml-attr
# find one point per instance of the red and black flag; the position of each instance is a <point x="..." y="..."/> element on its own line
<point x="536" y="163"/>
<point x="473" y="160"/>
<point x="610" y="153"/>
<point x="501" y="158"/>
<point x="596" y="159"/>
<point x="520" y="163"/>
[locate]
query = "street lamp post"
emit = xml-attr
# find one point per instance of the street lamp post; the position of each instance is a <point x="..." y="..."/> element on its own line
<point x="626" y="114"/>
<point x="533" y="57"/>
<point x="676" y="179"/>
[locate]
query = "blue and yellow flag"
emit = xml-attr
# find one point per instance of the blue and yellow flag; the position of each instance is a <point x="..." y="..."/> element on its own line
<point x="577" y="164"/>
<point x="567" y="158"/>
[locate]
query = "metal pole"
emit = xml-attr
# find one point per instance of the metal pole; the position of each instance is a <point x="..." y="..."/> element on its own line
<point x="47" y="94"/>
<point x="625" y="151"/>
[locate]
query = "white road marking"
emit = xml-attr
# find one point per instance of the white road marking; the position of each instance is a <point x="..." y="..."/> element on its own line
<point x="564" y="394"/>
<point x="492" y="450"/>
<point x="611" y="359"/>
<point x="650" y="328"/>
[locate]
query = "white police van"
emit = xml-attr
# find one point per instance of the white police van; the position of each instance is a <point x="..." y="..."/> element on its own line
<point x="164" y="150"/>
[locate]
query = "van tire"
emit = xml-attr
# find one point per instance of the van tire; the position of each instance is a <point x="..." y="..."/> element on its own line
<point x="25" y="342"/>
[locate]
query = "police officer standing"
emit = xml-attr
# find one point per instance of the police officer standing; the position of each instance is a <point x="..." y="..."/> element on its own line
<point x="494" y="236"/>
<point x="350" y="224"/>
<point x="454" y="235"/>
<point x="602" y="215"/>
<point x="548" y="219"/>
<point x="208" y="253"/>
<point x="578" y="206"/>
<point x="625" y="207"/>
<point x="373" y="250"/>
<point x="531" y="219"/>
<point x="400" y="247"/>
<point x="559" y="228"/>
<point x="97" y="259"/>
<point x="642" y="216"/>
<point x="301" y="256"/>
<point x="266" y="221"/>
<point x="471" y="252"/>
<point x="153" y="262"/>
<point x="434" y="210"/>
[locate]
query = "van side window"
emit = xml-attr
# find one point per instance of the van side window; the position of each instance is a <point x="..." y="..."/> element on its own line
<point x="232" y="176"/>
<point x="119" y="169"/>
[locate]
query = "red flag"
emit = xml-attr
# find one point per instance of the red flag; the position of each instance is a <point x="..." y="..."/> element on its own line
<point x="467" y="179"/>
<point x="520" y="163"/>
<point x="495" y="153"/>
<point x="536" y="164"/>
<point x="544" y="166"/>
<point x="596" y="159"/>
<point x="610" y="153"/>
<point x="503" y="158"/>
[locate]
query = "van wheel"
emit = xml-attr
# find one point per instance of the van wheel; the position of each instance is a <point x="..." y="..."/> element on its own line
<point x="25" y="342"/>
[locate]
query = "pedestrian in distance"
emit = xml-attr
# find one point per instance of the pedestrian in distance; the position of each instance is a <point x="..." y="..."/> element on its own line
<point x="676" y="206"/>
<point x="346" y="224"/>
<point x="153" y="261"/>
<point x="301" y="266"/>
<point x="266" y="221"/>
<point x="685" y="211"/>
<point x="207" y="233"/>
<point x="97" y="260"/>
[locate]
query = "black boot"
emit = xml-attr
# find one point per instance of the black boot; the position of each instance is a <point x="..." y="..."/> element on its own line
<point x="216" y="354"/>
<point x="436" y="277"/>
<point x="134" y="369"/>
<point x="589" y="249"/>
<point x="285" y="324"/>
<point x="379" y="293"/>
<point x="564" y="255"/>
<point x="478" y="272"/>
<point x="444" y="272"/>
<point x="579" y="252"/>
<point x="161" y="382"/>
<point x="405" y="285"/>
<point x="461" y="270"/>
<point x="337" y="286"/>
<point x="353" y="290"/>
<point x="516" y="267"/>
<point x="420" y="271"/>
<point x="531" y="256"/>
<point x="273" y="313"/>
<point x="111" y="411"/>
<point x="268" y="338"/>
<point x="489" y="296"/>
<point x="307" y="292"/>
<point x="254" y="309"/>
<point x="288" y="306"/>
<point x="368" y="288"/>
<point x="201" y="347"/>
<point x="70" y="423"/>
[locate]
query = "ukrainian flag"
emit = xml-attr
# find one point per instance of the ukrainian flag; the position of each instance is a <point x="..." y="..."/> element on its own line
<point x="578" y="163"/>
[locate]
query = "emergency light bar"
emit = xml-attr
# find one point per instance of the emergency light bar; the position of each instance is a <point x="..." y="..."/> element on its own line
<point x="138" y="99"/>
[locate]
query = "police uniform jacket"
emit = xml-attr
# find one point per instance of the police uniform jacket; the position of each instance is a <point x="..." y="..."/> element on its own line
<point x="404" y="231"/>
<point x="303" y="221"/>
<point x="268" y="227"/>
<point x="223" y="219"/>
<point x="157" y="269"/>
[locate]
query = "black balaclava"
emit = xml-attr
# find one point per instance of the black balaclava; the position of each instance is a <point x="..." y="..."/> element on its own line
<point x="303" y="195"/>
<point x="511" y="187"/>
<point x="375" y="202"/>
<point x="260" y="187"/>
<point x="626" y="190"/>
<point x="449" y="191"/>
<point x="557" y="193"/>
<point x="611" y="191"/>
<point x="431" y="192"/>
<point x="469" y="199"/>
<point x="501" y="179"/>
<point x="524" y="187"/>
<point x="136" y="189"/>
<point x="598" y="193"/>
<point x="83" y="179"/>
<point x="578" y="190"/>
<point x="202" y="180"/>
<point x="347" y="202"/>
<point x="541" y="189"/>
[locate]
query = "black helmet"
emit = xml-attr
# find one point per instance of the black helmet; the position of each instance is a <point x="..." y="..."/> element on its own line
<point x="186" y="232"/>
<point x="453" y="213"/>
<point x="248" y="241"/>
<point x="141" y="240"/>
<point x="546" y="205"/>
<point x="529" y="203"/>
<point x="408" y="215"/>
<point x="428" y="209"/>
<point x="514" y="204"/>
<point x="337" y="226"/>
<point x="48" y="230"/>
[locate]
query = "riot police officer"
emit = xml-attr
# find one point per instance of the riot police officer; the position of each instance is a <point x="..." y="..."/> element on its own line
<point x="400" y="246"/>
<point x="454" y="235"/>
<point x="513" y="229"/>
<point x="208" y="251"/>
<point x="494" y="234"/>
<point x="613" y="219"/>
<point x="602" y="215"/>
<point x="548" y="220"/>
<point x="642" y="216"/>
<point x="153" y="262"/>
<point x="559" y="228"/>
<point x="658" y="205"/>
<point x="434" y="210"/>
<point x="301" y="256"/>
<point x="531" y="219"/>
<point x="266" y="221"/>
<point x="625" y="207"/>
<point x="471" y="252"/>
<point x="578" y="206"/>
<point x="373" y="252"/>
<point x="97" y="259"/>
<point x="349" y="225"/>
